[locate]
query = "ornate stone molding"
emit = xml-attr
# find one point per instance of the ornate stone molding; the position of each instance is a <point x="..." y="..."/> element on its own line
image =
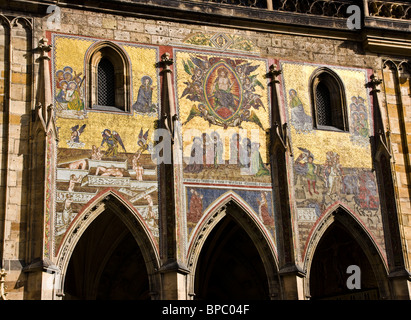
<point x="78" y="228"/>
<point x="392" y="10"/>
<point x="325" y="8"/>
<point x="135" y="225"/>
<point x="224" y="42"/>
<point x="246" y="3"/>
<point x="207" y="227"/>
<point x="3" y="287"/>
<point x="169" y="118"/>
<point x="380" y="136"/>
<point x="44" y="101"/>
<point x="358" y="231"/>
<point x="279" y="128"/>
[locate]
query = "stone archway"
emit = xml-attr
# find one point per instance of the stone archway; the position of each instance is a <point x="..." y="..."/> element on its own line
<point x="106" y="263"/>
<point x="108" y="254"/>
<point x="231" y="256"/>
<point x="340" y="241"/>
<point x="229" y="266"/>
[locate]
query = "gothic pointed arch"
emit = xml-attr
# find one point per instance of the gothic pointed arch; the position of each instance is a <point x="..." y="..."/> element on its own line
<point x="230" y="209"/>
<point x="344" y="235"/>
<point x="109" y="209"/>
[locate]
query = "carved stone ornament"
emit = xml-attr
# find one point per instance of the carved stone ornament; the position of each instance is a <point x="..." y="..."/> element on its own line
<point x="44" y="101"/>
<point x="3" y="287"/>
<point x="316" y="7"/>
<point x="387" y="9"/>
<point x="202" y="235"/>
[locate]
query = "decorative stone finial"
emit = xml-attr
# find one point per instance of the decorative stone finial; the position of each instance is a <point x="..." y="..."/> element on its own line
<point x="166" y="61"/>
<point x="43" y="47"/>
<point x="273" y="72"/>
<point x="374" y="83"/>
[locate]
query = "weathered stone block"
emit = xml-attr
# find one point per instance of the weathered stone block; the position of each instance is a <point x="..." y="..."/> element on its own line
<point x="140" y="37"/>
<point x="94" y="21"/>
<point x="109" y="23"/>
<point x="161" y="40"/>
<point x="121" y="35"/>
<point x="156" y="30"/>
<point x="20" y="78"/>
<point x="178" y="32"/>
<point x="129" y="25"/>
<point x="19" y="43"/>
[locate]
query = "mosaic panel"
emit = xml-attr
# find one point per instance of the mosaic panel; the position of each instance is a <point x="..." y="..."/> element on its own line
<point x="199" y="199"/>
<point x="101" y="150"/>
<point x="223" y="41"/>
<point x="331" y="167"/>
<point x="223" y="104"/>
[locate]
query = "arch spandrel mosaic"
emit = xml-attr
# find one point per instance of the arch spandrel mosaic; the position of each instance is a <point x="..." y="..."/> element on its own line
<point x="220" y="97"/>
<point x="215" y="93"/>
<point x="331" y="167"/>
<point x="224" y="106"/>
<point x="100" y="150"/>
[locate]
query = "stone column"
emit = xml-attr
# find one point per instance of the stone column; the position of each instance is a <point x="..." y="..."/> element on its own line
<point x="281" y="160"/>
<point x="174" y="271"/>
<point x="399" y="276"/>
<point x="41" y="271"/>
<point x="365" y="6"/>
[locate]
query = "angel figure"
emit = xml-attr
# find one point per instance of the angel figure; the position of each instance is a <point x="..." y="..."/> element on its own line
<point x="142" y="141"/>
<point x="194" y="112"/>
<point x="76" y="131"/>
<point x="193" y="91"/>
<point x="251" y="116"/>
<point x="252" y="99"/>
<point x="112" y="139"/>
<point x="197" y="63"/>
<point x="244" y="70"/>
<point x="196" y="68"/>
<point x="74" y="141"/>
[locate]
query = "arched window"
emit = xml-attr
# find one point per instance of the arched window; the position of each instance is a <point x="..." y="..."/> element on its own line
<point x="108" y="74"/>
<point x="106" y="83"/>
<point x="328" y="101"/>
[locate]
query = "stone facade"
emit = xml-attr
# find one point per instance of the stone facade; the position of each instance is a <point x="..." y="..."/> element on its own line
<point x="59" y="149"/>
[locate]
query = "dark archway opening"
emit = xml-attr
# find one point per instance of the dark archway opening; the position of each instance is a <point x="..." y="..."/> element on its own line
<point x="336" y="251"/>
<point x="229" y="266"/>
<point x="107" y="264"/>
